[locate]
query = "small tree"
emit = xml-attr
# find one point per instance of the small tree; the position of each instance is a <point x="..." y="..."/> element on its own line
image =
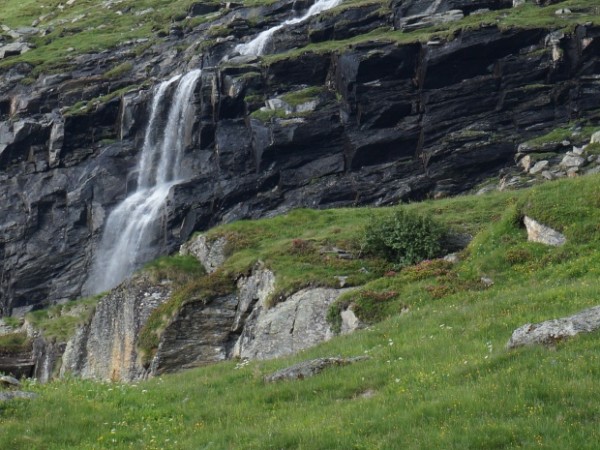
<point x="404" y="237"/>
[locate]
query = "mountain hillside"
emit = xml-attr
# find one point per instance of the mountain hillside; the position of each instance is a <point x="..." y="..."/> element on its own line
<point x="438" y="372"/>
<point x="299" y="224"/>
<point x="363" y="103"/>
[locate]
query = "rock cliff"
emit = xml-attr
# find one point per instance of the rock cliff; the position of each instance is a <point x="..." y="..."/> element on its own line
<point x="345" y="120"/>
<point x="203" y="330"/>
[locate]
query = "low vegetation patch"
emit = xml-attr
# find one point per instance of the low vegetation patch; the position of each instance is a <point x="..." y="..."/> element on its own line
<point x="180" y="269"/>
<point x="15" y="343"/>
<point x="59" y="322"/>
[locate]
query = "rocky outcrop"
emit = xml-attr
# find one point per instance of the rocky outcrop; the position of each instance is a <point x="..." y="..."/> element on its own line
<point x="210" y="254"/>
<point x="203" y="330"/>
<point x="551" y="332"/>
<point x="536" y="232"/>
<point x="199" y="334"/>
<point x="288" y="327"/>
<point x="105" y="347"/>
<point x="18" y="362"/>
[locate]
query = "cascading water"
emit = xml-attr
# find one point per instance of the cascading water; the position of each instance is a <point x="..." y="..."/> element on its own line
<point x="258" y="45"/>
<point x="132" y="232"/>
<point x="132" y="229"/>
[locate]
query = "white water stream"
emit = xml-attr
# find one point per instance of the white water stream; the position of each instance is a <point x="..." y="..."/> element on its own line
<point x="133" y="229"/>
<point x="257" y="46"/>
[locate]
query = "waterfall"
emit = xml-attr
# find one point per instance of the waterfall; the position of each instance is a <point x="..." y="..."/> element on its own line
<point x="257" y="45"/>
<point x="132" y="232"/>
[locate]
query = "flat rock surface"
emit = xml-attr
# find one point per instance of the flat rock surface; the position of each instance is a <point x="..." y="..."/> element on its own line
<point x="310" y="368"/>
<point x="5" y="396"/>
<point x="552" y="331"/>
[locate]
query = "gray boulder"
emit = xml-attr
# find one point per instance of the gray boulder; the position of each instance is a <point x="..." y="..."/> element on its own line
<point x="5" y="396"/>
<point x="296" y="324"/>
<point x="552" y="331"/>
<point x="8" y="381"/>
<point x="210" y="254"/>
<point x="539" y="167"/>
<point x="572" y="160"/>
<point x="536" y="232"/>
<point x="310" y="368"/>
<point x="13" y="49"/>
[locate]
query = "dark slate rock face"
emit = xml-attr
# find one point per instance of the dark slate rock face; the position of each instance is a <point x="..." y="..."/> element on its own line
<point x="393" y="122"/>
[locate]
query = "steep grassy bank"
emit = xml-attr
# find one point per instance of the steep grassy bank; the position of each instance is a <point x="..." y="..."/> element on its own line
<point x="90" y="26"/>
<point x="439" y="375"/>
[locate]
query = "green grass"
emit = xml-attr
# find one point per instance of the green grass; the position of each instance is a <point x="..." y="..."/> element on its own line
<point x="59" y="322"/>
<point x="14" y="343"/>
<point x="302" y="96"/>
<point x="438" y="376"/>
<point x="10" y="321"/>
<point x="568" y="133"/>
<point x="85" y="107"/>
<point x="101" y="28"/>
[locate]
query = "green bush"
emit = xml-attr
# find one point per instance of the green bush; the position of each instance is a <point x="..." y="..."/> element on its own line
<point x="404" y="237"/>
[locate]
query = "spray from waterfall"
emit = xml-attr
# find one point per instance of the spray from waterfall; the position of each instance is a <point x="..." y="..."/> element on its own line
<point x="132" y="233"/>
<point x="258" y="45"/>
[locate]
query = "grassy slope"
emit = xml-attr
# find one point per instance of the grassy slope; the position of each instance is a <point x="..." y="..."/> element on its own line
<point x="439" y="376"/>
<point x="104" y="27"/>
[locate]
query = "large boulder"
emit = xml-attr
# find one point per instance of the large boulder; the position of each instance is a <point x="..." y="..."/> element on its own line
<point x="211" y="254"/>
<point x="536" y="232"/>
<point x="552" y="331"/>
<point x="288" y="327"/>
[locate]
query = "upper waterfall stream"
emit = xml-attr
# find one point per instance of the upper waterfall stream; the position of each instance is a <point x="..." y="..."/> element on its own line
<point x="258" y="45"/>
<point x="133" y="229"/>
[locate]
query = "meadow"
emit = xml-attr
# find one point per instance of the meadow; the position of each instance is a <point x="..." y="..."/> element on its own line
<point x="438" y="373"/>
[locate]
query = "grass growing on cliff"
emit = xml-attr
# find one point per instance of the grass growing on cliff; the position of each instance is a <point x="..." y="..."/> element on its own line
<point x="527" y="16"/>
<point x="60" y="321"/>
<point x="439" y="375"/>
<point x="86" y="26"/>
<point x="14" y="343"/>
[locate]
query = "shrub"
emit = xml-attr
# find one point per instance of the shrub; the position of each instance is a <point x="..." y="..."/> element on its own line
<point x="404" y="237"/>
